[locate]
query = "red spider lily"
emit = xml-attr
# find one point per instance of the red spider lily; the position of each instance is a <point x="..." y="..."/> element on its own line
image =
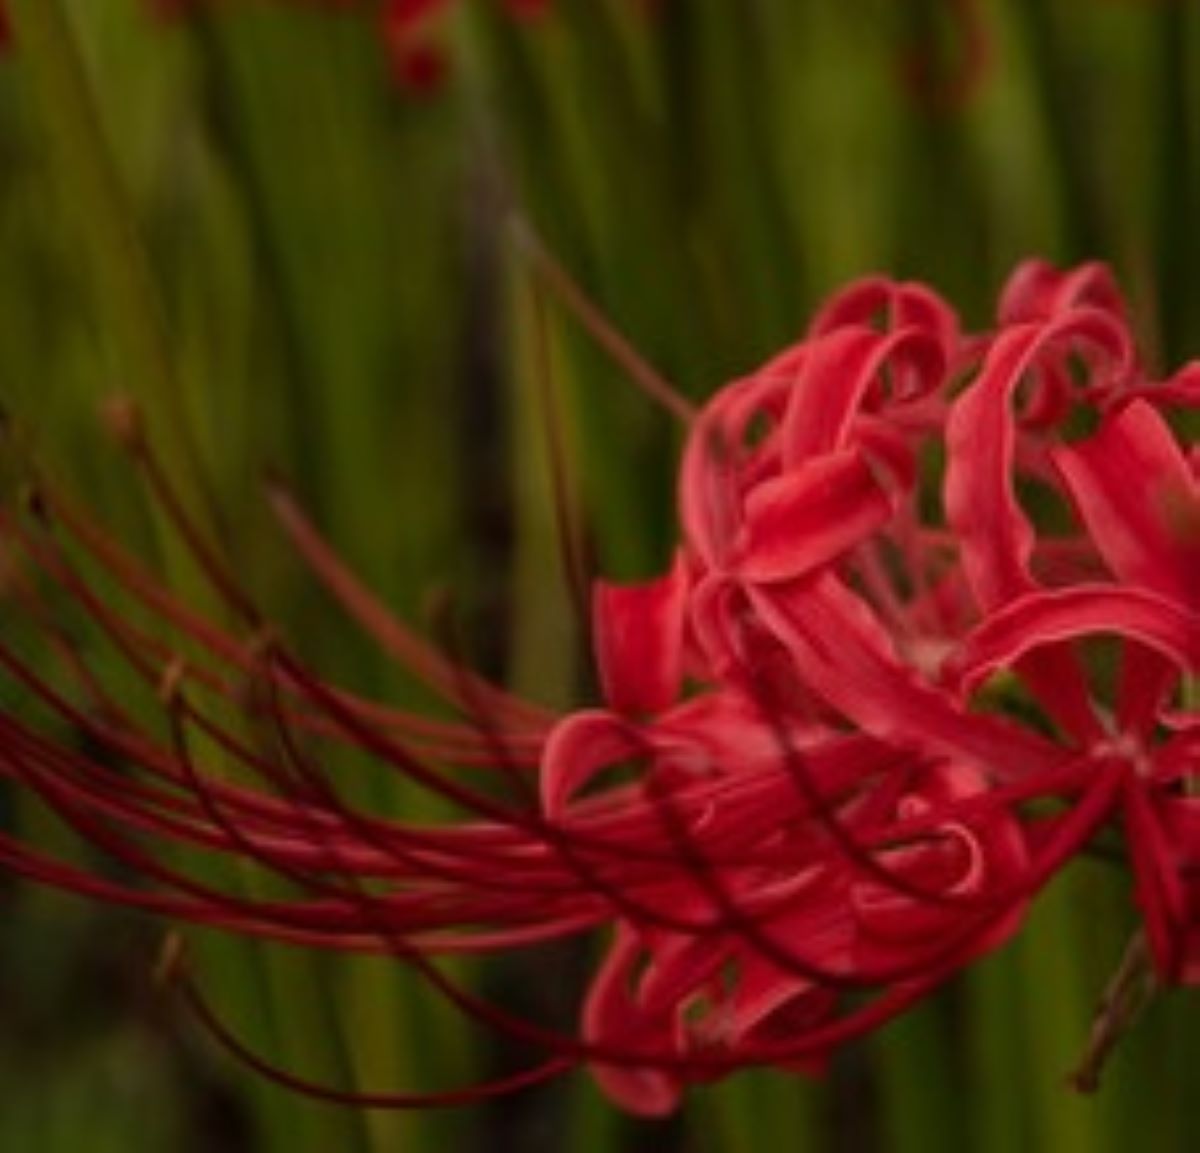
<point x="820" y="581"/>
<point x="806" y="801"/>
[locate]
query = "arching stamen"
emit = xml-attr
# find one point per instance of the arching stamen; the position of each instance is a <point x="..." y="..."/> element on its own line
<point x="572" y="540"/>
<point x="585" y="310"/>
<point x="125" y="422"/>
<point x="394" y="637"/>
<point x="205" y="1016"/>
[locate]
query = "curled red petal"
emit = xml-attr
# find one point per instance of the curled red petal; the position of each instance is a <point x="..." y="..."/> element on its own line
<point x="840" y="650"/>
<point x="995" y="535"/>
<point x="807" y="518"/>
<point x="638" y="635"/>
<point x="608" y="1013"/>
<point x="1137" y="495"/>
<point x="838" y="377"/>
<point x="710" y="488"/>
<point x="1067" y="615"/>
<point x="584" y="745"/>
<point x="1037" y="291"/>
<point x="889" y="305"/>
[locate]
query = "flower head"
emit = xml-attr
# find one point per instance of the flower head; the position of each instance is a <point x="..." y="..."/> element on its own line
<point x="845" y="739"/>
<point x="857" y="575"/>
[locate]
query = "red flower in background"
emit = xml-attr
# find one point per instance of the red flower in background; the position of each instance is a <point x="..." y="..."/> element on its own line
<point x="410" y="30"/>
<point x="845" y="739"/>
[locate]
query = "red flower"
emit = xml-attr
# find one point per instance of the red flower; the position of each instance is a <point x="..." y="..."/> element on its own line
<point x="820" y="583"/>
<point x="845" y="740"/>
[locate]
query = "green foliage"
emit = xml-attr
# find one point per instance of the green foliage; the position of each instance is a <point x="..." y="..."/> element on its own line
<point x="240" y="221"/>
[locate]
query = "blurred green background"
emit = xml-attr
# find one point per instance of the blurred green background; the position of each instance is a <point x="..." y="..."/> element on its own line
<point x="238" y="216"/>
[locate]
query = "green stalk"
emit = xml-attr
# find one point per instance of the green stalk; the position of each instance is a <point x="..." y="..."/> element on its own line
<point x="920" y="1080"/>
<point x="720" y="81"/>
<point x="733" y="1117"/>
<point x="1080" y="220"/>
<point x="1178" y="240"/>
<point x="124" y="294"/>
<point x="1059" y="985"/>
<point x="998" y="1080"/>
<point x="269" y="995"/>
<point x="334" y="196"/>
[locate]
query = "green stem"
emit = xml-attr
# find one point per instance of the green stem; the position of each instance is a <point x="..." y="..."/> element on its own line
<point x="124" y="294"/>
<point x="1068" y="141"/>
<point x="270" y="995"/>
<point x="1177" y="233"/>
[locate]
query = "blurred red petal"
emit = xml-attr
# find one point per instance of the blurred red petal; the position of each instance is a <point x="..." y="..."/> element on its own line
<point x="808" y="517"/>
<point x="638" y="637"/>
<point x="1139" y="500"/>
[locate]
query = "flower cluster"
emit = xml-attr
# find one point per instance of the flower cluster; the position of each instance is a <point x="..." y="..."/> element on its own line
<point x="900" y="547"/>
<point x="927" y="633"/>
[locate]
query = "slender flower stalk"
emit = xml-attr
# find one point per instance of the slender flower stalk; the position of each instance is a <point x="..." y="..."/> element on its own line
<point x="844" y="741"/>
